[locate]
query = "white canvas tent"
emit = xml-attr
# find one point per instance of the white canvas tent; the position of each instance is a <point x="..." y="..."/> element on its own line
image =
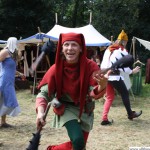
<point x="92" y="36"/>
<point x="145" y="43"/>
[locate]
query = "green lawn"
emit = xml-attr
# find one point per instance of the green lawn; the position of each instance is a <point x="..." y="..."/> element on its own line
<point x="120" y="136"/>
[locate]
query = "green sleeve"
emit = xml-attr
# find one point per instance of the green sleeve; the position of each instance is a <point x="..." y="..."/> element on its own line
<point x="44" y="93"/>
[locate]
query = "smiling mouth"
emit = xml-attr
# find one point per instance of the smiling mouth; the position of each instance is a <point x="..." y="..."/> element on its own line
<point x="70" y="54"/>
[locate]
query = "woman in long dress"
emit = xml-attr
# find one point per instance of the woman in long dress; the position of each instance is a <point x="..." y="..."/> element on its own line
<point x="8" y="101"/>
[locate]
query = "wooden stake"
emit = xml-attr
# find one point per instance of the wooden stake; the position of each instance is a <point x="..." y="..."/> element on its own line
<point x="111" y="39"/>
<point x="56" y="19"/>
<point x="39" y="30"/>
<point x="90" y="17"/>
<point x="133" y="41"/>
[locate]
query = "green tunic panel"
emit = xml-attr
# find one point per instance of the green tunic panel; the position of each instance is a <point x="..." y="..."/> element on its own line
<point x="71" y="112"/>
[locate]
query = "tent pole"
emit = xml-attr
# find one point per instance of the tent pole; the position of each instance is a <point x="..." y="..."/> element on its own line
<point x="35" y="73"/>
<point x="112" y="39"/>
<point x="131" y="48"/>
<point x="90" y="17"/>
<point x="37" y="53"/>
<point x="133" y="41"/>
<point x="39" y="30"/>
<point x="56" y="19"/>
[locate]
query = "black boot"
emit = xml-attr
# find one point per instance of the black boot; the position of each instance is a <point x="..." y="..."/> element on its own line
<point x="106" y="122"/>
<point x="134" y="114"/>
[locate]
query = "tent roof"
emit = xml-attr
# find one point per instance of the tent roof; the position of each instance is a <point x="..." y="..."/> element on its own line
<point x="92" y="36"/>
<point x="2" y="43"/>
<point x="34" y="39"/>
<point x="145" y="43"/>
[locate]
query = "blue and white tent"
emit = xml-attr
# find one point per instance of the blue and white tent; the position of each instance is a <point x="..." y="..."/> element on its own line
<point x="2" y="43"/>
<point x="34" y="39"/>
<point x="92" y="36"/>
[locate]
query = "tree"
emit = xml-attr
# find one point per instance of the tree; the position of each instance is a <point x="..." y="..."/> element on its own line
<point x="111" y="16"/>
<point x="71" y="13"/>
<point x="21" y="18"/>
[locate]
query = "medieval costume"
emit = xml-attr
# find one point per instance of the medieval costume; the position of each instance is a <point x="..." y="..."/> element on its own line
<point x="116" y="80"/>
<point x="74" y="87"/>
<point x="8" y="100"/>
<point x="147" y="78"/>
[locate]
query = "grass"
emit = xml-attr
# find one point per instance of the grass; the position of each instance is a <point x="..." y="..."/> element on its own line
<point x="120" y="136"/>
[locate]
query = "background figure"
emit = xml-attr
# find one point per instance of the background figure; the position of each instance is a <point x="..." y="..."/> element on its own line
<point x="147" y="78"/>
<point x="8" y="101"/>
<point x="97" y="60"/>
<point x="115" y="80"/>
<point x="71" y="87"/>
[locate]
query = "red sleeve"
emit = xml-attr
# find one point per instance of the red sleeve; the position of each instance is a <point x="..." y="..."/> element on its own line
<point x="95" y="94"/>
<point x="40" y="101"/>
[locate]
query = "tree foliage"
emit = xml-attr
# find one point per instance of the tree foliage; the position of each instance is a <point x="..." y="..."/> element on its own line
<point x="21" y="18"/>
<point x="115" y="15"/>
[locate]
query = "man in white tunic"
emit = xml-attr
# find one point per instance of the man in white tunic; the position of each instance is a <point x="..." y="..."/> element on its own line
<point x="116" y="80"/>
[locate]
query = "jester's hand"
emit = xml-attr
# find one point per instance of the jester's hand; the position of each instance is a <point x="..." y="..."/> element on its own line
<point x="101" y="78"/>
<point x="39" y="119"/>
